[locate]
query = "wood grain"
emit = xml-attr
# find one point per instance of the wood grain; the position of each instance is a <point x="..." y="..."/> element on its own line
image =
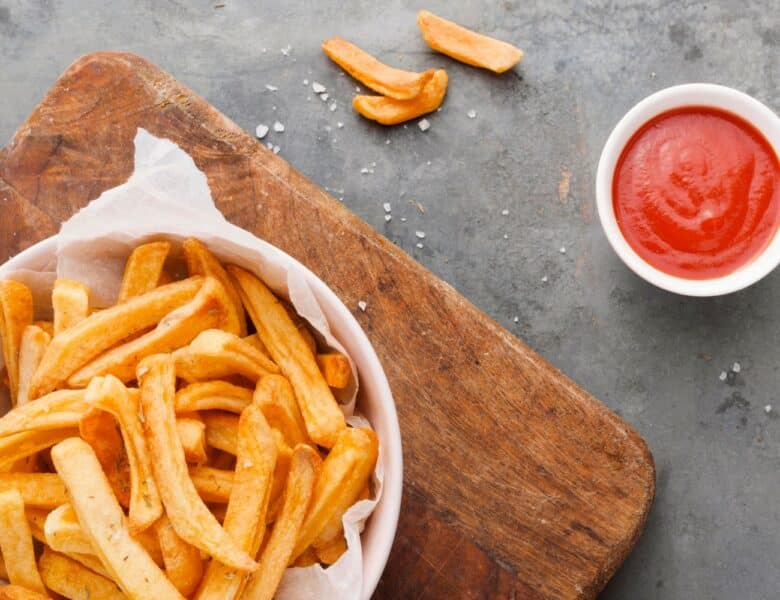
<point x="517" y="482"/>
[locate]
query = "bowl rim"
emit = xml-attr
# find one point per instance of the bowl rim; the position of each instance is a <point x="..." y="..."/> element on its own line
<point x="387" y="511"/>
<point x="680" y="96"/>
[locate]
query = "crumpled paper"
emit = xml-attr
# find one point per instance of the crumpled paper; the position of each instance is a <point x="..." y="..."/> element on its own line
<point x="168" y="197"/>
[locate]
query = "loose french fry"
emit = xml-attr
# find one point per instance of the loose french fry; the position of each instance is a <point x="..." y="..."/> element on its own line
<point x="188" y="514"/>
<point x="221" y="430"/>
<point x="215" y="354"/>
<point x="41" y="490"/>
<point x="208" y="309"/>
<point x="67" y="577"/>
<point x="143" y="270"/>
<point x="335" y="369"/>
<point x="72" y="349"/>
<point x="17" y="592"/>
<point x="329" y="553"/>
<point x="101" y="431"/>
<point x="304" y="468"/>
<point x="70" y="302"/>
<point x="33" y="345"/>
<point x="20" y="445"/>
<point x="200" y="261"/>
<point x="394" y="83"/>
<point x="63" y="532"/>
<point x="105" y="524"/>
<point x="276" y="398"/>
<point x="467" y="46"/>
<point x="388" y="111"/>
<point x="16" y="543"/>
<point x="183" y="564"/>
<point x="192" y="434"/>
<point x="108" y="393"/>
<point x="345" y="472"/>
<point x="56" y="410"/>
<point x="246" y="509"/>
<point x="321" y="414"/>
<point x="213" y="485"/>
<point x="212" y="395"/>
<point x="16" y="313"/>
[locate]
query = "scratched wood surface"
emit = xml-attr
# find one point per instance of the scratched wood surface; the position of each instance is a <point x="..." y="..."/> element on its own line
<point x="518" y="484"/>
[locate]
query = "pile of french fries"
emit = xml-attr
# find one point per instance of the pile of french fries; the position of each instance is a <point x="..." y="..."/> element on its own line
<point x="407" y="95"/>
<point x="167" y="446"/>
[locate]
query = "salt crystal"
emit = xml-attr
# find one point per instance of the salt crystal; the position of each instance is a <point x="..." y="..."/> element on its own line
<point x="516" y="319"/>
<point x="505" y="212"/>
<point x="305" y="82"/>
<point x="736" y="367"/>
<point x="428" y="163"/>
<point x="419" y="244"/>
<point x="318" y="87"/>
<point x="373" y="164"/>
<point x="261" y="131"/>
<point x="269" y="145"/>
<point x="278" y="127"/>
<point x="273" y="108"/>
<point x="362" y="305"/>
<point x="420" y="234"/>
<point x="387" y="142"/>
<point x="357" y="89"/>
<point x="403" y="219"/>
<point x="723" y="375"/>
<point x="506" y="236"/>
<point x="424" y="125"/>
<point x="324" y="97"/>
<point x="286" y="50"/>
<point x="271" y="88"/>
<point x="768" y="408"/>
<point x="388" y="218"/>
<point x="332" y="107"/>
<point x="563" y="249"/>
<point x="327" y="128"/>
<point x="472" y="114"/>
<point x="339" y="124"/>
<point x="387" y="207"/>
<point x="276" y="149"/>
<point x="544" y="279"/>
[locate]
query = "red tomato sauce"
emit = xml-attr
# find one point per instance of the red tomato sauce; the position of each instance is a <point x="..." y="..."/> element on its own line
<point x="696" y="192"/>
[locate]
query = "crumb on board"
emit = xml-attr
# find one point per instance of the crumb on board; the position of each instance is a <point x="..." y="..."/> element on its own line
<point x="768" y="408"/>
<point x="723" y="376"/>
<point x="544" y="279"/>
<point x="424" y="124"/>
<point x="387" y="207"/>
<point x="388" y="218"/>
<point x="317" y="87"/>
<point x="736" y="367"/>
<point x="278" y="127"/>
<point x="472" y="114"/>
<point x="563" y="250"/>
<point x="339" y="124"/>
<point x="505" y="212"/>
<point x="271" y="88"/>
<point x="362" y="304"/>
<point x="261" y="131"/>
<point x="324" y="97"/>
<point x="419" y="244"/>
<point x="420" y="234"/>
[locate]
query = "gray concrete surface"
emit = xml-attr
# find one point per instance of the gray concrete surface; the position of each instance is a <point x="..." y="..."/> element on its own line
<point x="653" y="357"/>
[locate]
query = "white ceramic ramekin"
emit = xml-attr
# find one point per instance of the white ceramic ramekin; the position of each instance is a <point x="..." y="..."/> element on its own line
<point x="680" y="96"/>
<point x="376" y="403"/>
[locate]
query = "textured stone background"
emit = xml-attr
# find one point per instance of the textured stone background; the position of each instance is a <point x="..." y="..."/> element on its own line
<point x="532" y="149"/>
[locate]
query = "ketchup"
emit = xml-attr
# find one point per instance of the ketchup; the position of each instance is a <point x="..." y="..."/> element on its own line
<point x="696" y="192"/>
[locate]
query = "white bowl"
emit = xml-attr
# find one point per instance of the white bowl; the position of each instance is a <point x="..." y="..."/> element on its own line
<point x="680" y="96"/>
<point x="376" y="403"/>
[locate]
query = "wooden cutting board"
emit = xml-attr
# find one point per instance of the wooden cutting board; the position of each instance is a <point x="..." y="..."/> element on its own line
<point x="518" y="484"/>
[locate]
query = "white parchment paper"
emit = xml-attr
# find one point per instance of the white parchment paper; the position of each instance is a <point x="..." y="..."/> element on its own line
<point x="167" y="197"/>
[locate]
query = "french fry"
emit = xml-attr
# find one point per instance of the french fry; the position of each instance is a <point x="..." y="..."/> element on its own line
<point x="329" y="553"/>
<point x="56" y="410"/>
<point x="221" y="430"/>
<point x="36" y="517"/>
<point x="63" y="532"/>
<point x="246" y="510"/>
<point x="47" y="326"/>
<point x="192" y="434"/>
<point x="304" y="468"/>
<point x="467" y="46"/>
<point x="72" y="349"/>
<point x="183" y="564"/>
<point x="105" y="524"/>
<point x="200" y="261"/>
<point x="70" y="302"/>
<point x="90" y="561"/>
<point x="215" y="354"/>
<point x="65" y="576"/>
<point x="321" y="414"/>
<point x="16" y="543"/>
<point x="101" y="431"/>
<point x="388" y="111"/>
<point x="188" y="514"/>
<point x="212" y="395"/>
<point x="394" y="83"/>
<point x="108" y="393"/>
<point x="255" y="341"/>
<point x="281" y="472"/>
<point x="3" y="572"/>
<point x="345" y="472"/>
<point x="33" y="345"/>
<point x="306" y="559"/>
<point x="335" y="369"/>
<point x="213" y="485"/>
<point x="276" y="398"/>
<point x="21" y="445"/>
<point x="16" y="313"/>
<point x="17" y="592"/>
<point x="209" y="308"/>
<point x="40" y="490"/>
<point x="143" y="270"/>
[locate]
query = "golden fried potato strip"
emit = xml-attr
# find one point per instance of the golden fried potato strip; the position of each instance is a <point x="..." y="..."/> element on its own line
<point x="192" y="433"/>
<point x="143" y="270"/>
<point x="275" y="396"/>
<point x="213" y="485"/>
<point x="69" y="578"/>
<point x="105" y="524"/>
<point x="33" y="345"/>
<point x="70" y="302"/>
<point x="388" y="111"/>
<point x="63" y="532"/>
<point x="40" y="490"/>
<point x="101" y="431"/>
<point x="56" y="410"/>
<point x="16" y="543"/>
<point x="335" y="369"/>
<point x="189" y="516"/>
<point x="200" y="261"/>
<point x="183" y="564"/>
<point x="246" y="509"/>
<point x="329" y="553"/>
<point x="17" y="592"/>
<point x="209" y="308"/>
<point x="467" y="46"/>
<point x="16" y="313"/>
<point x="221" y="430"/>
<point x="304" y="468"/>
<point x="212" y="395"/>
<point x="21" y="445"/>
<point x="75" y="347"/>
<point x="394" y="83"/>
<point x="321" y="414"/>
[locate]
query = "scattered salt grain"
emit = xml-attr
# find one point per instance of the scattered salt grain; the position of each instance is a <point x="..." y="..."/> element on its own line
<point x="505" y="212"/>
<point x="327" y="127"/>
<point x="387" y="142"/>
<point x="403" y="219"/>
<point x="278" y="127"/>
<point x="388" y="218"/>
<point x="506" y="236"/>
<point x="357" y="89"/>
<point x="516" y="319"/>
<point x="420" y="234"/>
<point x="362" y="305"/>
<point x="723" y="376"/>
<point x="428" y="163"/>
<point x="261" y="131"/>
<point x="276" y="149"/>
<point x="271" y="88"/>
<point x="366" y="171"/>
<point x="472" y="114"/>
<point x="305" y="82"/>
<point x="419" y="244"/>
<point x="424" y="125"/>
<point x="324" y="97"/>
<point x="318" y="88"/>
<point x="387" y="207"/>
<point x="269" y="145"/>
<point x="768" y="408"/>
<point x="286" y="50"/>
<point x="339" y="124"/>
<point x="563" y="249"/>
<point x="736" y="367"/>
<point x="332" y="107"/>
<point x="544" y="279"/>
